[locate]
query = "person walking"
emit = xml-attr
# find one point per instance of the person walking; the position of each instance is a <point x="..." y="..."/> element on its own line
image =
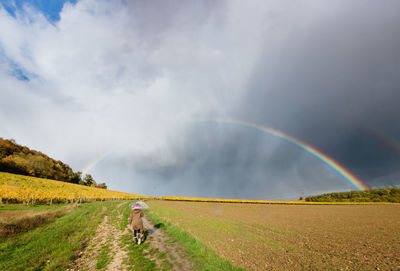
<point x="136" y="222"/>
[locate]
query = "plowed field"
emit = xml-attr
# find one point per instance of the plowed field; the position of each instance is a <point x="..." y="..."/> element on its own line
<point x="293" y="237"/>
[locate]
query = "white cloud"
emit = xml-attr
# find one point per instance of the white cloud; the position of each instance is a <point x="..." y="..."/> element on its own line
<point x="109" y="76"/>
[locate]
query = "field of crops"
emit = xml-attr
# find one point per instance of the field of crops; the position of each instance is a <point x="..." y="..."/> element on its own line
<point x="297" y="202"/>
<point x="20" y="188"/>
<point x="292" y="237"/>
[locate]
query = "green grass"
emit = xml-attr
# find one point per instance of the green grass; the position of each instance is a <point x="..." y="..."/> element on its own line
<point x="166" y="265"/>
<point x="161" y="255"/>
<point x="203" y="257"/>
<point x="126" y="211"/>
<point x="136" y="256"/>
<point x="153" y="251"/>
<point x="105" y="256"/>
<point x="55" y="245"/>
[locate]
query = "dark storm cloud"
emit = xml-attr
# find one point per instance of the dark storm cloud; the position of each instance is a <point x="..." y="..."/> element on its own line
<point x="329" y="75"/>
<point x="325" y="75"/>
<point x="219" y="160"/>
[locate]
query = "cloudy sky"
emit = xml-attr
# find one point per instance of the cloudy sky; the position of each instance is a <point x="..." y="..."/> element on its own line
<point x="141" y="87"/>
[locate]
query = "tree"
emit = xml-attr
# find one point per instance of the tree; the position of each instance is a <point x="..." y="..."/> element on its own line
<point x="76" y="177"/>
<point x="102" y="185"/>
<point x="88" y="180"/>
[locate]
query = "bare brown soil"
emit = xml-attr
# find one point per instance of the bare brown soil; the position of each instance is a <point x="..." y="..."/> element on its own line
<point x="293" y="237"/>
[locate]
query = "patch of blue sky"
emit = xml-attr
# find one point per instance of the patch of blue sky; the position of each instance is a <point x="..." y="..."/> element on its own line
<point x="14" y="69"/>
<point x="49" y="8"/>
<point x="18" y="73"/>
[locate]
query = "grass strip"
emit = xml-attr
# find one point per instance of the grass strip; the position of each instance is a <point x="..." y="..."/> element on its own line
<point x="126" y="212"/>
<point x="54" y="245"/>
<point x="203" y="257"/>
<point x="136" y="255"/>
<point x="104" y="257"/>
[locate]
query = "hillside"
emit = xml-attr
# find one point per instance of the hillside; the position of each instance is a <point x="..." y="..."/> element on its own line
<point x="20" y="188"/>
<point x="15" y="158"/>
<point x="18" y="159"/>
<point x="370" y="195"/>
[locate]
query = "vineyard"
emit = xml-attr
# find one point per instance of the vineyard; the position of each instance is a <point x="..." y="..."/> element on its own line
<point x="26" y="189"/>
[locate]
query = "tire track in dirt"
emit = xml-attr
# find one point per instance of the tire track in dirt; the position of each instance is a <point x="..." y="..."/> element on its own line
<point x="166" y="246"/>
<point x="120" y="252"/>
<point x="88" y="257"/>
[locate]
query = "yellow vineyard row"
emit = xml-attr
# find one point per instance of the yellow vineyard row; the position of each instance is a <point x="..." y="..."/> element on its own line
<point x="25" y="188"/>
<point x="268" y="202"/>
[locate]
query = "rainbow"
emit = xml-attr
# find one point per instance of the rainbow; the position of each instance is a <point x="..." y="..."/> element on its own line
<point x="386" y="139"/>
<point x="93" y="163"/>
<point x="326" y="159"/>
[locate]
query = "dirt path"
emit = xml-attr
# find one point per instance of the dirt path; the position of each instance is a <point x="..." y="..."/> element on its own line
<point x="88" y="257"/>
<point x="164" y="250"/>
<point x="107" y="236"/>
<point x="120" y="253"/>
